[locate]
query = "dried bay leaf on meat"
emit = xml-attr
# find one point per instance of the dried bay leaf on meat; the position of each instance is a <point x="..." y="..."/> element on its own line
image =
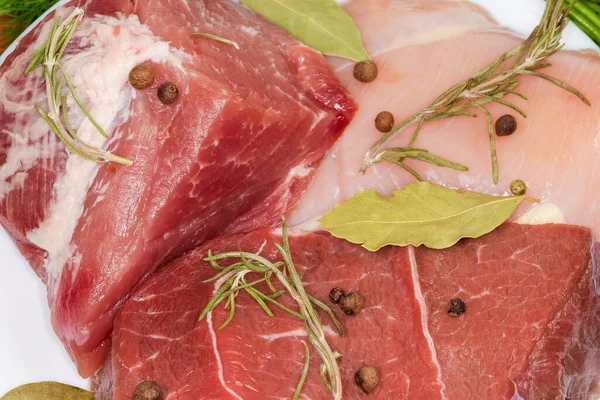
<point x="320" y="24"/>
<point x="421" y="214"/>
<point x="48" y="391"/>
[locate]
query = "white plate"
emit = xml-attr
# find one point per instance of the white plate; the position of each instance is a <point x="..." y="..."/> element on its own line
<point x="29" y="350"/>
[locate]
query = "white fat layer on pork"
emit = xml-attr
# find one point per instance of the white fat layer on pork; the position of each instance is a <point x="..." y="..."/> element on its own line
<point x="213" y="336"/>
<point x="425" y="319"/>
<point x="99" y="70"/>
<point x="547" y="213"/>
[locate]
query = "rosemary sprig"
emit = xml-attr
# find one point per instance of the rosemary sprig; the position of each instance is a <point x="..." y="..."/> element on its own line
<point x="490" y="85"/>
<point x="217" y="38"/>
<point x="236" y="281"/>
<point x="49" y="57"/>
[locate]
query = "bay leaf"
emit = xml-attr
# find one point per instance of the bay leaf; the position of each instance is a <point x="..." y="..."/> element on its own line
<point x="48" y="391"/>
<point x="421" y="214"/>
<point x="320" y="24"/>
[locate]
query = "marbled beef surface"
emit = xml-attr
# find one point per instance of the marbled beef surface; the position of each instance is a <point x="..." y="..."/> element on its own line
<point x="531" y="327"/>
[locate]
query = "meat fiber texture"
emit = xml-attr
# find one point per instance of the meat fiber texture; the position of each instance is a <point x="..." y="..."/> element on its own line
<point x="531" y="327"/>
<point x="422" y="48"/>
<point x="233" y="153"/>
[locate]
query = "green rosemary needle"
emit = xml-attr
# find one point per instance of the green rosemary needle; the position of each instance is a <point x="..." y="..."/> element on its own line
<point x="490" y="85"/>
<point x="236" y="280"/>
<point x="49" y="57"/>
<point x="217" y="38"/>
<point x="304" y="372"/>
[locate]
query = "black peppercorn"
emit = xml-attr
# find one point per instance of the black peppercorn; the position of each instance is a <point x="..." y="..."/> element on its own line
<point x="365" y="71"/>
<point x="506" y="125"/>
<point x="168" y="93"/>
<point x="384" y="122"/>
<point x="148" y="390"/>
<point x="518" y="187"/>
<point x="336" y="294"/>
<point x="367" y="378"/>
<point x="351" y="303"/>
<point x="141" y="77"/>
<point x="456" y="307"/>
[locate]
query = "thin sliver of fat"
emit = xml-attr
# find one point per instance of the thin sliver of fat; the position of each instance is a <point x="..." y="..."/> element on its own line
<point x="414" y="273"/>
<point x="213" y="336"/>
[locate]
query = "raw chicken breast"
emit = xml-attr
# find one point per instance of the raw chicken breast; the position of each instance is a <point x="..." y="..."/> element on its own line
<point x="424" y="47"/>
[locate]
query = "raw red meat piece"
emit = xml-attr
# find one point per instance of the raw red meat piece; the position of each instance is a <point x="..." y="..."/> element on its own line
<point x="531" y="327"/>
<point x="26" y="191"/>
<point x="234" y="153"/>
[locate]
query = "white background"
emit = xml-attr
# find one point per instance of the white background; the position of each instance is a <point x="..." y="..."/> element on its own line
<point x="30" y="352"/>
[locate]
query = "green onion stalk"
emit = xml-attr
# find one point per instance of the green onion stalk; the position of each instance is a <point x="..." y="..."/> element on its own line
<point x="586" y="15"/>
<point x="17" y="15"/>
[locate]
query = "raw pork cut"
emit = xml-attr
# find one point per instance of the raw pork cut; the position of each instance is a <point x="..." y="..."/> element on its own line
<point x="422" y="48"/>
<point x="233" y="153"/>
<point x="531" y="327"/>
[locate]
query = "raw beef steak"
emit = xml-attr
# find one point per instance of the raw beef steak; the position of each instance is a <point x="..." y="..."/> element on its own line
<point x="531" y="327"/>
<point x="233" y="153"/>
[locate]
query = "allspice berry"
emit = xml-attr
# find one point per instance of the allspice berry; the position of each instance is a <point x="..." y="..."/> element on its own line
<point x="335" y="295"/>
<point x="351" y="303"/>
<point x="168" y="93"/>
<point x="367" y="378"/>
<point x="148" y="390"/>
<point x="384" y="122"/>
<point x="518" y="187"/>
<point x="456" y="307"/>
<point x="365" y="71"/>
<point x="506" y="125"/>
<point x="141" y="77"/>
